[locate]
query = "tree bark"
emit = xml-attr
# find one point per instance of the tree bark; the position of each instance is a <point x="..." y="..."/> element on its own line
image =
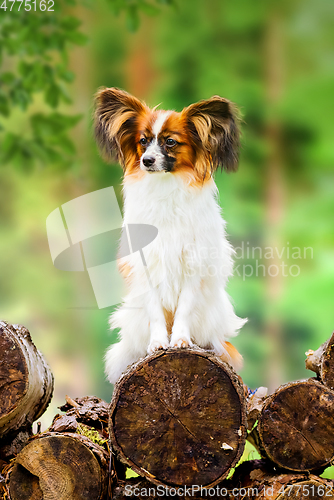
<point x="321" y="362"/>
<point x="296" y="427"/>
<point x="274" y="191"/>
<point x="26" y="386"/>
<point x="255" y="404"/>
<point x="59" y="466"/>
<point x="257" y="480"/>
<point x="178" y="417"/>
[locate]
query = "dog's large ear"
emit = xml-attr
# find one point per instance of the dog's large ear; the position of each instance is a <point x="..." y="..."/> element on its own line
<point x="215" y="123"/>
<point x="116" y="113"/>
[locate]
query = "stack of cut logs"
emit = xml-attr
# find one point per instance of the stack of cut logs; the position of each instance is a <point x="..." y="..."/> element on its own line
<point x="178" y="418"/>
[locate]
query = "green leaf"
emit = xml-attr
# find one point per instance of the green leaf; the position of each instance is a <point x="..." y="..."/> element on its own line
<point x="70" y="23"/>
<point x="53" y="155"/>
<point x="24" y="68"/>
<point x="4" y="105"/>
<point x="67" y="145"/>
<point x="9" y="142"/>
<point x="39" y="150"/>
<point x="52" y="95"/>
<point x="53" y="124"/>
<point x="132" y="18"/>
<point x="64" y="121"/>
<point x="76" y="37"/>
<point x="7" y="78"/>
<point x="66" y="75"/>
<point x="9" y="147"/>
<point x="64" y="95"/>
<point x="148" y="8"/>
<point x="20" y="96"/>
<point x="47" y="70"/>
<point x="116" y="6"/>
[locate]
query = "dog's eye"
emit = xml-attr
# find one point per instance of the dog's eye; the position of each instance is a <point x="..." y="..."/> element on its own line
<point x="143" y="141"/>
<point x="170" y="142"/>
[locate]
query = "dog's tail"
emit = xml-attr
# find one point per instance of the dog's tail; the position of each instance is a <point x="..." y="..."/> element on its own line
<point x="117" y="358"/>
<point x="231" y="356"/>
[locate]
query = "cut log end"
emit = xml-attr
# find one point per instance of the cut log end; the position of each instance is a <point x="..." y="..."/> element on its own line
<point x="26" y="386"/>
<point x="296" y="426"/>
<point x="59" y="467"/>
<point x="178" y="417"/>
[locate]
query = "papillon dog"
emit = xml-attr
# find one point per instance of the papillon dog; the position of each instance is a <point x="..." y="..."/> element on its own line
<point x="176" y="285"/>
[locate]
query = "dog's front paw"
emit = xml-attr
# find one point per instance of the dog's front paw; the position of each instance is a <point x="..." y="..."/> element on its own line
<point x="180" y="338"/>
<point x="155" y="345"/>
<point x="182" y="343"/>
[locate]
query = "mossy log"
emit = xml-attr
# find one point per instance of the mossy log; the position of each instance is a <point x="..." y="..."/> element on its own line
<point x="26" y="386"/>
<point x="178" y="417"/>
<point x="258" y="480"/>
<point x="89" y="411"/>
<point x="321" y="362"/>
<point x="59" y="466"/>
<point x="295" y="427"/>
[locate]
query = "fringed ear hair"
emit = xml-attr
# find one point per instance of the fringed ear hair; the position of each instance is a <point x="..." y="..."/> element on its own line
<point x="116" y="113"/>
<point x="214" y="122"/>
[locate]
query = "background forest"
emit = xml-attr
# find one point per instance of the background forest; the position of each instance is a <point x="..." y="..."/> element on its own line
<point x="275" y="59"/>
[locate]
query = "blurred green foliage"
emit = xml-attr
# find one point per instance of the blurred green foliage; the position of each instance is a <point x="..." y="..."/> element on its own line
<point x="34" y="50"/>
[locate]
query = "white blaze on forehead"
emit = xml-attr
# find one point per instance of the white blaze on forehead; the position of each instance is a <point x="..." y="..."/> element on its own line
<point x="160" y="120"/>
<point x="154" y="149"/>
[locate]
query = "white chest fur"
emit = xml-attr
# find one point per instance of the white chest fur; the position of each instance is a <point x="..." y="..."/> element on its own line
<point x="191" y="232"/>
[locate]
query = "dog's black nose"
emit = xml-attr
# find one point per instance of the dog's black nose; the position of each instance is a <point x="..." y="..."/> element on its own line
<point x="148" y="161"/>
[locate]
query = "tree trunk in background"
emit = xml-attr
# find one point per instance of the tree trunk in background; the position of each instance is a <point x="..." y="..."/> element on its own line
<point x="139" y="70"/>
<point x="274" y="194"/>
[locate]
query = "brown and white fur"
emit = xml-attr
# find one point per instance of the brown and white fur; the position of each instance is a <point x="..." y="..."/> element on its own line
<point x="169" y="159"/>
